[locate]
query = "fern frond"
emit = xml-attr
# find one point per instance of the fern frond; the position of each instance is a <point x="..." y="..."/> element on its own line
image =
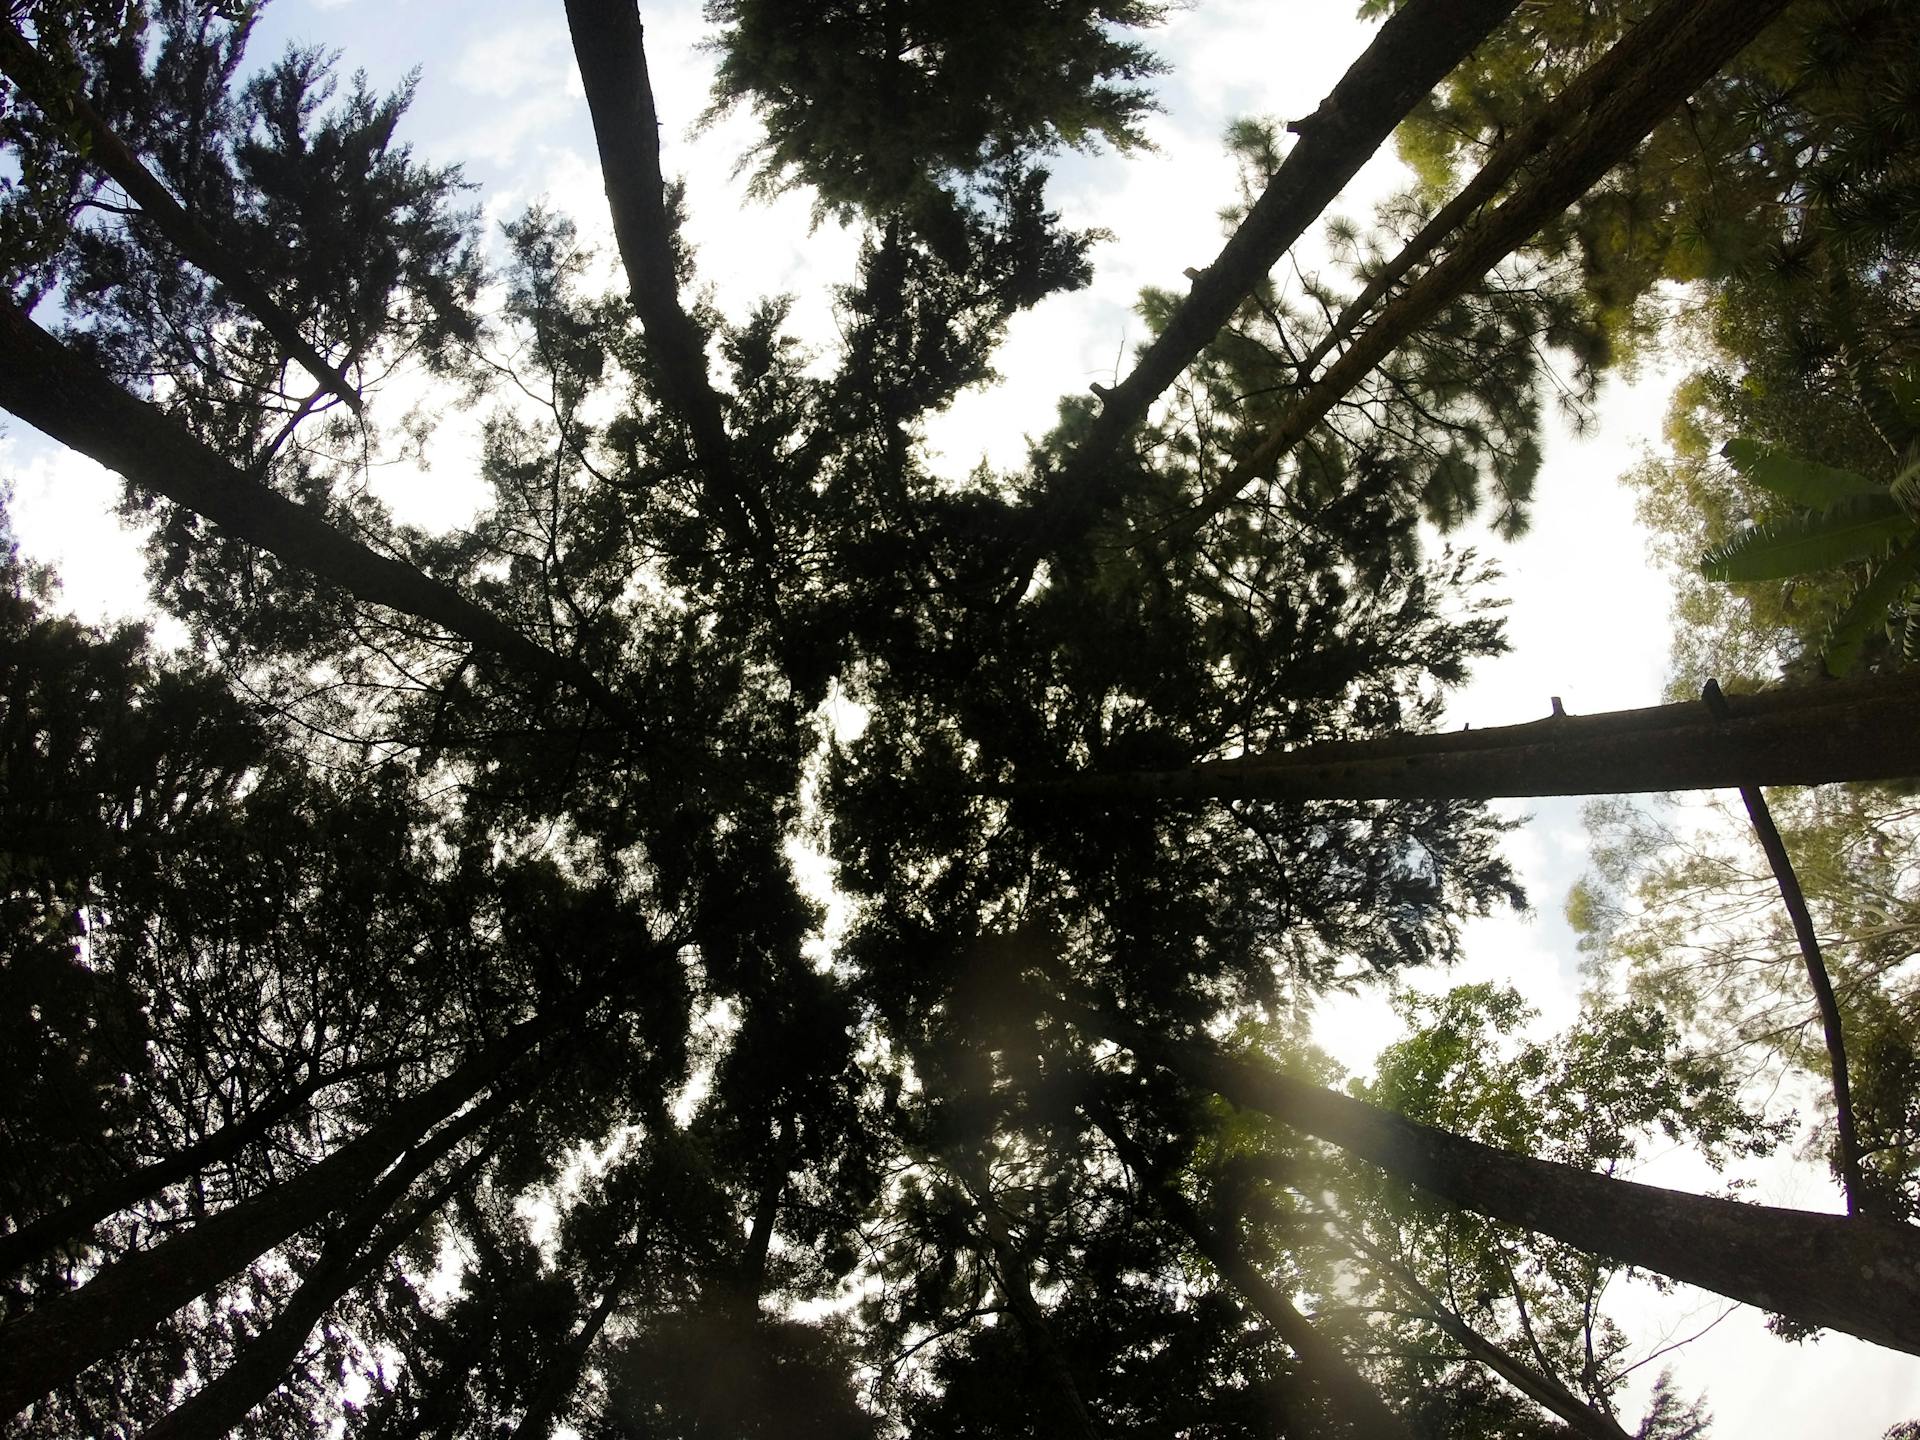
<point x="1868" y="607"/>
<point x="1802" y="543"/>
<point x="1804" y="482"/>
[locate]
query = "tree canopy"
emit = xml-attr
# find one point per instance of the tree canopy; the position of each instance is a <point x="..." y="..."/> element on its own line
<point x="419" y="1015"/>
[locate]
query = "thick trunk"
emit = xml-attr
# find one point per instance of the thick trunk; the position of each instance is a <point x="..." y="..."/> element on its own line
<point x="1699" y="42"/>
<point x="1849" y="1273"/>
<point x="214" y="1409"/>
<point x="65" y="1334"/>
<point x="38" y="80"/>
<point x="57" y="392"/>
<point x="1412" y="53"/>
<point x="1812" y="735"/>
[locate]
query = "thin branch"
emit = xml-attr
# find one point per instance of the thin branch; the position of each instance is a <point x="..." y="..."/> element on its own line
<point x="1796" y="902"/>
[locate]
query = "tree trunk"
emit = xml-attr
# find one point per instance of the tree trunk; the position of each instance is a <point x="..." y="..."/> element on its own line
<point x="123" y="1301"/>
<point x="1412" y="53"/>
<point x="608" y="47"/>
<point x="1696" y="46"/>
<point x="1538" y="1386"/>
<point x="347" y="1260"/>
<point x="1849" y="1273"/>
<point x="57" y="392"/>
<point x="76" y="1217"/>
<point x="1811" y="735"/>
<point x="538" y="1422"/>
<point x="1514" y="153"/>
<point x="1350" y="1399"/>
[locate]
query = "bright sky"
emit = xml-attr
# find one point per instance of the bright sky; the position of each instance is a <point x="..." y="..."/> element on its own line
<point x="1588" y="623"/>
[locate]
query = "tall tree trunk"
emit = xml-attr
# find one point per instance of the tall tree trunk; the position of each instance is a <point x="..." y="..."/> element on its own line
<point x="1538" y="1386"/>
<point x="1518" y="150"/>
<point x="1812" y="735"/>
<point x="124" y="1300"/>
<point x="1412" y="53"/>
<point x="1850" y="1273"/>
<point x="59" y="393"/>
<point x="608" y="45"/>
<point x="1696" y="46"/>
<point x="77" y="1216"/>
<point x="42" y="84"/>
<point x="345" y="1262"/>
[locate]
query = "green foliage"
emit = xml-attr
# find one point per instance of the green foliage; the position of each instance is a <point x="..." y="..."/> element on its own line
<point x="1858" y="522"/>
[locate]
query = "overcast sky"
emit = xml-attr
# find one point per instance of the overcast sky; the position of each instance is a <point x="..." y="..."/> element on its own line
<point x="1588" y="618"/>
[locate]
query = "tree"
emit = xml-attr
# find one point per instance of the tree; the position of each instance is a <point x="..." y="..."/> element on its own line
<point x="547" y="772"/>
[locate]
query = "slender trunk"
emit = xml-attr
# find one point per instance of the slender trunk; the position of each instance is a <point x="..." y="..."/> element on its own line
<point x="76" y="1217"/>
<point x="1353" y="1403"/>
<point x="1696" y="46"/>
<point x="65" y="1334"/>
<point x="538" y="1422"/>
<point x="1011" y="1268"/>
<point x="1412" y="53"/>
<point x="1830" y="1023"/>
<point x="38" y="80"/>
<point x="1849" y="1273"/>
<point x="766" y="1210"/>
<point x="608" y="47"/>
<point x="1812" y="735"/>
<point x="1543" y="1389"/>
<point x="347" y="1260"/>
<point x="57" y="392"/>
<point x="1555" y="118"/>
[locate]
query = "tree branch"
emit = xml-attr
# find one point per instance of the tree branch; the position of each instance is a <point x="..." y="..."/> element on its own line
<point x="1830" y="1023"/>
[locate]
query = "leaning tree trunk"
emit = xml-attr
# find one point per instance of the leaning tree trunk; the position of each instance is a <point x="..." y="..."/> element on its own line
<point x="346" y="1261"/>
<point x="79" y="1215"/>
<point x="60" y="394"/>
<point x="1693" y="47"/>
<point x="1419" y="44"/>
<point x="1354" y="1405"/>
<point x="1812" y="735"/>
<point x="1850" y="1273"/>
<point x="62" y="1336"/>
